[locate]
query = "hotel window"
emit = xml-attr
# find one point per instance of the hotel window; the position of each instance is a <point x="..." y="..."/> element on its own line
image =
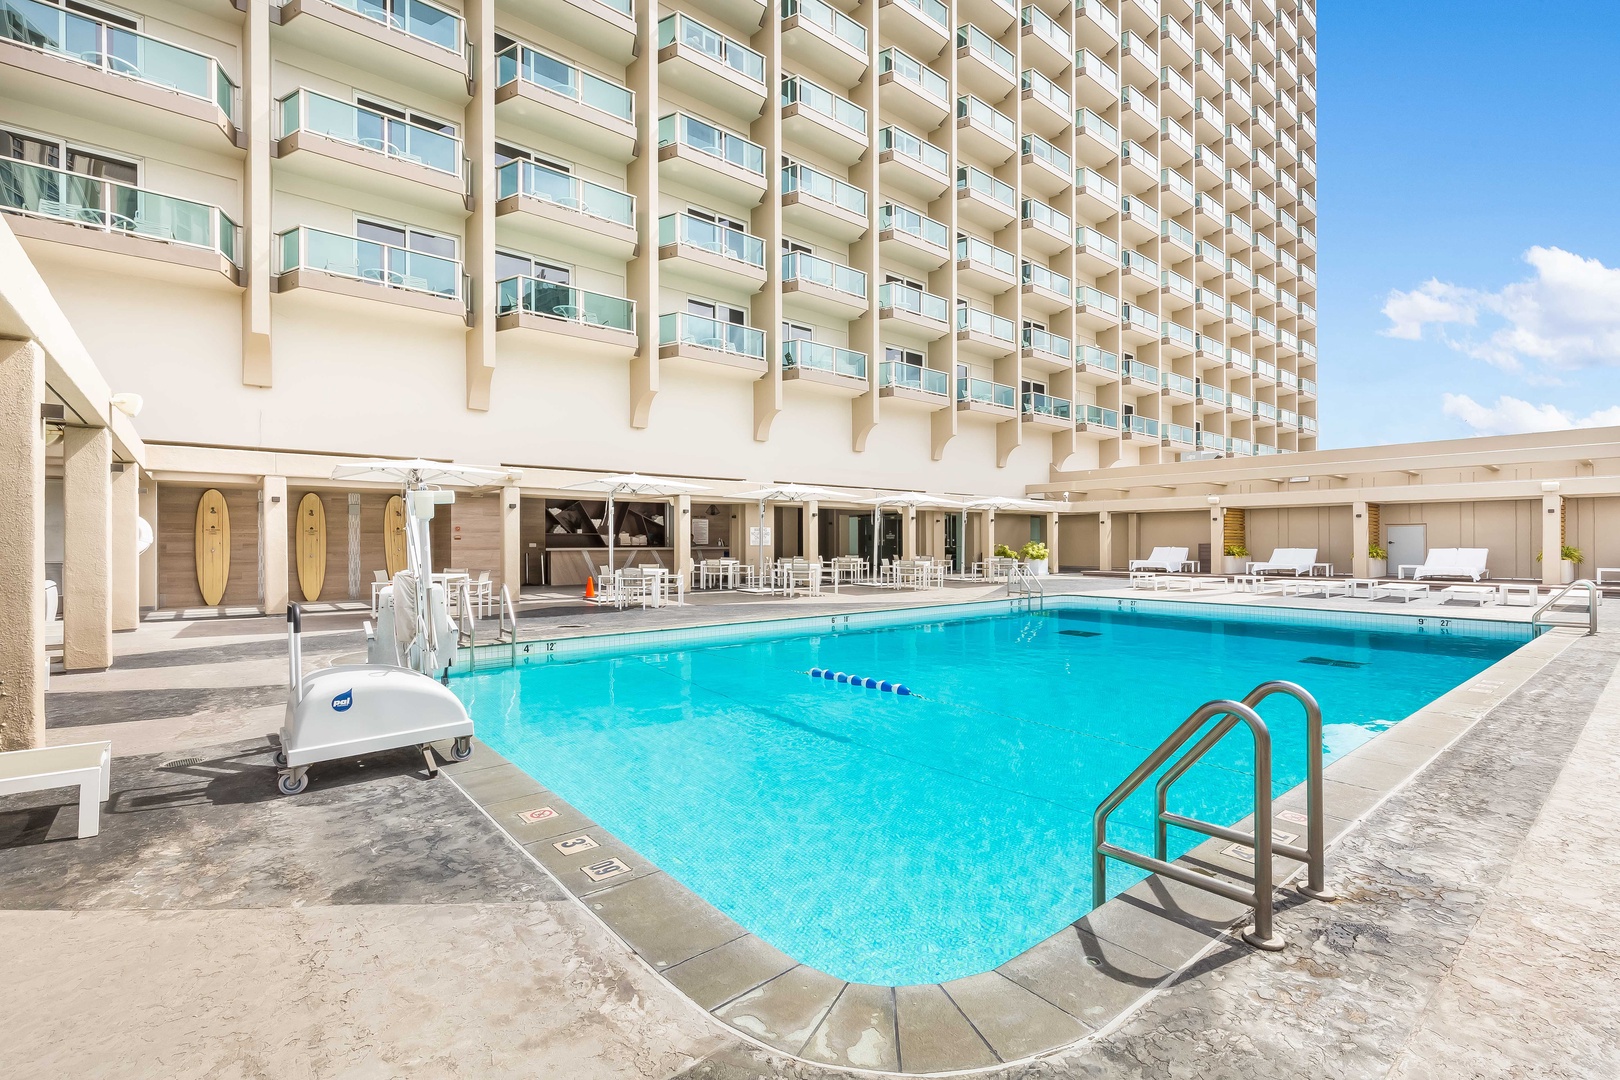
<point x="391" y="113"/>
<point x="510" y="264"/>
<point x="403" y="236"/>
<point x="896" y="355"/>
<point x="797" y="332"/>
<point x="505" y="153"/>
<point x="55" y="153"/>
<point x="725" y="313"/>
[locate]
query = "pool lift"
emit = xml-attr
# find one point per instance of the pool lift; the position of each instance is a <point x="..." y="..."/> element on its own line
<point x="395" y="699"/>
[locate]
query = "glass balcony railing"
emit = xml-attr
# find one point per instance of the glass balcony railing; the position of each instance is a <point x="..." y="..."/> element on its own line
<point x="118" y="50"/>
<point x="1239" y="228"/>
<point x="1097" y="416"/>
<point x="1174" y="133"/>
<point x="1146" y="373"/>
<point x="1094" y="356"/>
<point x="1139" y="263"/>
<point x="1134" y="100"/>
<point x="1043" y="278"/>
<point x="1212" y="394"/>
<point x="105" y="204"/>
<point x="304" y="248"/>
<point x="1239" y="404"/>
<point x="1307" y="386"/>
<point x="980" y="321"/>
<point x="688" y="231"/>
<point x="519" y="62"/>
<point x="1171" y="180"/>
<point x="1174" y="230"/>
<point x="897" y="297"/>
<point x="1042" y="214"/>
<point x="1177" y="285"/>
<point x="982" y="182"/>
<point x="1046" y="405"/>
<point x="1087" y="122"/>
<point x="797" y="90"/>
<point x="828" y="189"/>
<point x="1179" y="434"/>
<point x="990" y="393"/>
<point x="682" y="29"/>
<point x="1141" y="425"/>
<point x="305" y="110"/>
<point x="1137" y="47"/>
<point x="1239" y="447"/>
<point x="1240" y="360"/>
<point x="1086" y="65"/>
<point x="973" y="39"/>
<point x="893" y="216"/>
<point x="543" y="182"/>
<point x="971" y="248"/>
<point x="1091" y="299"/>
<point x="819" y="356"/>
<point x="1095" y="11"/>
<point x="1038" y="85"/>
<point x="1089" y="182"/>
<point x="993" y="120"/>
<point x="687" y="130"/>
<point x="829" y="19"/>
<point x="800" y="266"/>
<point x="1265" y="410"/>
<point x="1308" y="423"/>
<point x="1132" y="153"/>
<point x="1175" y="32"/>
<point x="1178" y="384"/>
<point x="1210" y="442"/>
<point x="913" y="377"/>
<point x="532" y="296"/>
<point x="1307" y="349"/>
<point x="1046" y="28"/>
<point x="1091" y="241"/>
<point x="919" y="75"/>
<point x="904" y="143"/>
<point x="932" y="10"/>
<point x="684" y="328"/>
<point x="1044" y="342"/>
<point x="1038" y="148"/>
<point x="1172" y="80"/>
<point x="1239" y="314"/>
<point x="422" y="21"/>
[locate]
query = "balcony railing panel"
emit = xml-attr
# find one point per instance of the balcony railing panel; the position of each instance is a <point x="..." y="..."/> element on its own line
<point x="304" y="248"/>
<point x="913" y="377"/>
<point x="695" y="232"/>
<point x="543" y="182"/>
<point x="305" y="110"/>
<point x="819" y="356"/>
<point x="519" y="62"/>
<point x="683" y="328"/>
<point x="532" y="296"/>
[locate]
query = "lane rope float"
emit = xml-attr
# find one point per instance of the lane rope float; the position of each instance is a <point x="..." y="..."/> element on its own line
<point x="861" y="681"/>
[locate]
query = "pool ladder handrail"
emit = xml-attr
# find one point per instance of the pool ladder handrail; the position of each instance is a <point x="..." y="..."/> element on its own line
<point x="1592" y="597"/>
<point x="1262" y="935"/>
<point x="1023" y="582"/>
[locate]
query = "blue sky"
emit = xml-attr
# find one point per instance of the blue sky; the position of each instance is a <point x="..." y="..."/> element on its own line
<point x="1455" y="138"/>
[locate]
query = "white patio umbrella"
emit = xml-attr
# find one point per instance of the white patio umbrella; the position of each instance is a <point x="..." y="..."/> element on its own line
<point x="909" y="499"/>
<point x="616" y="484"/>
<point x="992" y="503"/>
<point x="787" y="493"/>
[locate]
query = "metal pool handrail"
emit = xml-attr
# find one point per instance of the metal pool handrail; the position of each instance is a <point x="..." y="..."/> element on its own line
<point x="1022" y="580"/>
<point x="1591" y="606"/>
<point x="1259" y="898"/>
<point x="1313" y="854"/>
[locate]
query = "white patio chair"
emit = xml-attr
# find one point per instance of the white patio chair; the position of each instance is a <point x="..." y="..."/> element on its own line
<point x="1454" y="563"/>
<point x="1296" y="561"/>
<point x="483" y="590"/>
<point x="86" y="766"/>
<point x="1169" y="560"/>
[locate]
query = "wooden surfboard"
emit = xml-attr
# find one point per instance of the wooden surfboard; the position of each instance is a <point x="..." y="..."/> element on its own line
<point x="394" y="535"/>
<point x="311" y="546"/>
<point x="213" y="547"/>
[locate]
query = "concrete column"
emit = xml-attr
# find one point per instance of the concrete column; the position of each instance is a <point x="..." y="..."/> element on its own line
<point x="87" y="548"/>
<point x="989" y="521"/>
<point x="1052" y="542"/>
<point x="682" y="526"/>
<point x="273" y="490"/>
<point x="149" y="558"/>
<point x="126" y="561"/>
<point x="479" y="131"/>
<point x="1217" y="538"/>
<point x="1552" y="539"/>
<point x="23" y="665"/>
<point x="812" y="530"/>
<point x="511" y="543"/>
<point x="1132" y="533"/>
<point x="258" y="240"/>
<point x="908" y="532"/>
<point x="1360" y="539"/>
<point x="1105" y="541"/>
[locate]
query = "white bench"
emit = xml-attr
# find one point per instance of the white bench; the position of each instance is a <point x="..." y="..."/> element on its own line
<point x="1406" y="590"/>
<point x="87" y="766"/>
<point x="1473" y="594"/>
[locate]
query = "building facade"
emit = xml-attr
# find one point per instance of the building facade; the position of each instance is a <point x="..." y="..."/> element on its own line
<point x="906" y="244"/>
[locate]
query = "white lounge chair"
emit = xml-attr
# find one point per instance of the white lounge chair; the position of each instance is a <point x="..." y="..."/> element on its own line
<point x="1296" y="561"/>
<point x="1171" y="560"/>
<point x="1453" y="563"/>
<point x="87" y="766"/>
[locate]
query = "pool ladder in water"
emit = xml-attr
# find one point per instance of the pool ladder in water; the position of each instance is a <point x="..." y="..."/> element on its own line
<point x="1228" y="715"/>
<point x="1022" y="584"/>
<point x="467" y="631"/>
<point x="1592" y="597"/>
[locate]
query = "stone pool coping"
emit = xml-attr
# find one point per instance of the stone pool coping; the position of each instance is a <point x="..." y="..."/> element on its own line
<point x="1075" y="985"/>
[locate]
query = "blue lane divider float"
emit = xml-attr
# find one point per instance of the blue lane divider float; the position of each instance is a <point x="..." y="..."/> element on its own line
<point x="861" y="681"/>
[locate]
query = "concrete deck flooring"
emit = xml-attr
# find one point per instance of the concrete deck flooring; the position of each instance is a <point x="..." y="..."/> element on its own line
<point x="379" y="926"/>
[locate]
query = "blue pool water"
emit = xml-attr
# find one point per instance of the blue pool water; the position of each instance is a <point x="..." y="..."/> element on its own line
<point x="900" y="840"/>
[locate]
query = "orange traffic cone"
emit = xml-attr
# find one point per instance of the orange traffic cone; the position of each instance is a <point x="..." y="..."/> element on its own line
<point x="590" y="587"/>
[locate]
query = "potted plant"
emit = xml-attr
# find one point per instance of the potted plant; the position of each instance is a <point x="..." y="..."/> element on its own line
<point x="1568" y="556"/>
<point x="1034" y="556"/>
<point x="1235" y="560"/>
<point x="1377" y="561"/>
<point x="1005" y="552"/>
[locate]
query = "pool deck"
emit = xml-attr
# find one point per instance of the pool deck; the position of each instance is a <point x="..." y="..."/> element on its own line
<point x="380" y="924"/>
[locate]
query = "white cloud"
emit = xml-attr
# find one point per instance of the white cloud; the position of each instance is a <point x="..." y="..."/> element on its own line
<point x="1511" y="415"/>
<point x="1566" y="315"/>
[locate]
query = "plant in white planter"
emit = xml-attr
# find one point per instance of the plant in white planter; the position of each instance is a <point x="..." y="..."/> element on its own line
<point x="1568" y="558"/>
<point x="1235" y="560"/>
<point x="1377" y="561"/>
<point x="1034" y="556"/>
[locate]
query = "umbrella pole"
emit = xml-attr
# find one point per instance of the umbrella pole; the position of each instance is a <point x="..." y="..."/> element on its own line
<point x="610" y="531"/>
<point x="961" y="543"/>
<point x="759" y="551"/>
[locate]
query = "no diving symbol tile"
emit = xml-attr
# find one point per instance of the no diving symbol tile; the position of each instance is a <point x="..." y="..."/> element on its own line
<point x="542" y="813"/>
<point x="1293" y="817"/>
<point x="607" y="868"/>
<point x="575" y="845"/>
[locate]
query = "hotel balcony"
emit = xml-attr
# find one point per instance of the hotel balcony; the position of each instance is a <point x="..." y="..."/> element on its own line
<point x="1095" y="366"/>
<point x="1045" y="44"/>
<point x="983" y="333"/>
<point x="983" y="200"/>
<point x="922" y="27"/>
<point x="1177" y="389"/>
<point x="1138" y="169"/>
<point x="326" y="262"/>
<point x="607" y="27"/>
<point x="1138" y="61"/>
<point x="1095" y="310"/>
<point x="1211" y="444"/>
<point x="334" y="142"/>
<point x="703" y="253"/>
<point x="1095" y="83"/>
<point x="703" y="157"/>
<point x="553" y="97"/>
<point x="576" y="321"/>
<point x="1138" y="222"/>
<point x="1138" y="274"/>
<point x="1046" y="231"/>
<point x="822" y="203"/>
<point x="119" y="221"/>
<point x="911" y="238"/>
<point x="1095" y="422"/>
<point x="983" y="132"/>
<point x="983" y="265"/>
<point x="564" y="212"/>
<point x="60" y="60"/>
<point x="1095" y="25"/>
<point x="711" y="67"/>
<point x="911" y="382"/>
<point x="1179" y="436"/>
<point x="1176" y="193"/>
<point x="912" y="165"/>
<point x="820" y="364"/>
<point x="824" y="287"/>
<point x="412" y="43"/>
<point x="712" y="343"/>
<point x="818" y="34"/>
<point x="1096" y="141"/>
<point x="1139" y="378"/>
<point x="912" y="91"/>
<point x="983" y="65"/>
<point x="1138" y="114"/>
<point x="1048" y="109"/>
<point x="1043" y="290"/>
<point x="1178" y="43"/>
<point x="1138" y="428"/>
<point x="913" y="314"/>
<point x="1043" y="410"/>
<point x="816" y="117"/>
<point x="1046" y="169"/>
<point x="1239" y="407"/>
<point x="1176" y="340"/>
<point x="1210" y="398"/>
<point x="1045" y="352"/>
<point x="1095" y="195"/>
<point x="1095" y="253"/>
<point x="985" y="398"/>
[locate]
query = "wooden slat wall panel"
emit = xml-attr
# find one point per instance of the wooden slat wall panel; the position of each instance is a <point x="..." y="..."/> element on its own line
<point x="177" y="546"/>
<point x="336" y="504"/>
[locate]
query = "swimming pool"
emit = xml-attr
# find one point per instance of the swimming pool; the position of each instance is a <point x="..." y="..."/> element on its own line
<point x="899" y="840"/>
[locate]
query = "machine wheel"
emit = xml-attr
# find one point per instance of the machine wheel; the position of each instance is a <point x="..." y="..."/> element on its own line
<point x="291" y="783"/>
<point x="462" y="750"/>
<point x="281" y="759"/>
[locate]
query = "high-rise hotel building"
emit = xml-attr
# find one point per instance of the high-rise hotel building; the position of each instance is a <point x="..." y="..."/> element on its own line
<point x="898" y="244"/>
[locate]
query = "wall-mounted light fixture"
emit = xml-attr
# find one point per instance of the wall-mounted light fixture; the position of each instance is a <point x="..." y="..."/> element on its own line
<point x="1549" y="486"/>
